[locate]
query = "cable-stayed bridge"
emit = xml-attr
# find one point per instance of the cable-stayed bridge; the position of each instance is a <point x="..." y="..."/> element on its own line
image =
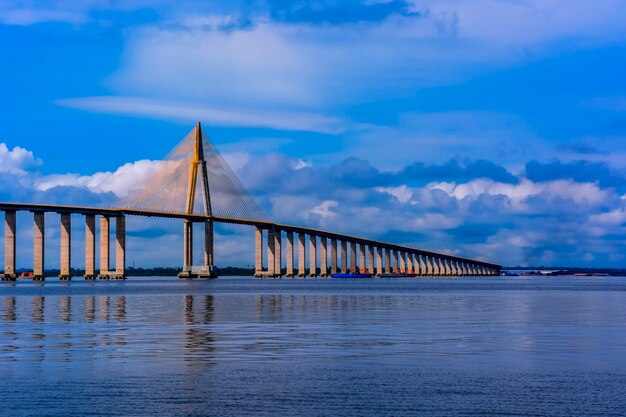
<point x="195" y="184"/>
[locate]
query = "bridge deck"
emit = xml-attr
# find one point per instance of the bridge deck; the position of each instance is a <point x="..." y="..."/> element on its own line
<point x="219" y="219"/>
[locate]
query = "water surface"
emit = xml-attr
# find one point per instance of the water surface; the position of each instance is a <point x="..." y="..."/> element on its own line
<point x="238" y="346"/>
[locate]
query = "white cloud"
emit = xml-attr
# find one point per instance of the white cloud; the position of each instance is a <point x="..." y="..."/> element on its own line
<point x="531" y="23"/>
<point x="588" y="194"/>
<point x="117" y="182"/>
<point x="309" y="65"/>
<point x="402" y="192"/>
<point x="16" y="160"/>
<point x="285" y="120"/>
<point x="324" y="209"/>
<point x="300" y="164"/>
<point x="24" y="17"/>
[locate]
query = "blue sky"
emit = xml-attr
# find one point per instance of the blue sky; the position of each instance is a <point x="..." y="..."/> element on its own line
<point x="490" y="129"/>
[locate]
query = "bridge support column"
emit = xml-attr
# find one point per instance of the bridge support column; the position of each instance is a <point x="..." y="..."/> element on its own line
<point x="417" y="267"/>
<point x="362" y="258"/>
<point x="258" y="252"/>
<point x="344" y="256"/>
<point x="370" y="259"/>
<point x="402" y="262"/>
<point x="387" y="261"/>
<point x="271" y="253"/>
<point x="187" y="250"/>
<point x="9" y="246"/>
<point x="323" y="257"/>
<point x="394" y="261"/>
<point x="409" y="264"/>
<point x="428" y="269"/>
<point x="66" y="247"/>
<point x="353" y="260"/>
<point x="208" y="270"/>
<point x="312" y="255"/>
<point x="445" y="267"/>
<point x="38" y="249"/>
<point x="379" y="261"/>
<point x="120" y="247"/>
<point x="105" y="252"/>
<point x="289" y="255"/>
<point x="333" y="256"/>
<point x="90" y="246"/>
<point x="301" y="255"/>
<point x="278" y="256"/>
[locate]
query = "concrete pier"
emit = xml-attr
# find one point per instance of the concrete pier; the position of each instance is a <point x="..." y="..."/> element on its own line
<point x="370" y="259"/>
<point x="344" y="256"/>
<point x="271" y="253"/>
<point x="362" y="258"/>
<point x="90" y="246"/>
<point x="428" y="266"/>
<point x="38" y="246"/>
<point x="409" y="264"/>
<point x="388" y="261"/>
<point x="66" y="247"/>
<point x="9" y="246"/>
<point x="120" y="247"/>
<point x="353" y="260"/>
<point x="402" y="262"/>
<point x="289" y="255"/>
<point x="105" y="250"/>
<point x="258" y="251"/>
<point x="394" y="261"/>
<point x="312" y="255"/>
<point x="323" y="257"/>
<point x="208" y="267"/>
<point x="278" y="256"/>
<point x="333" y="256"/>
<point x="301" y="254"/>
<point x="379" y="261"/>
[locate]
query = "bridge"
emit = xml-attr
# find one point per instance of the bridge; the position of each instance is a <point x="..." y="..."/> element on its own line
<point x="194" y="168"/>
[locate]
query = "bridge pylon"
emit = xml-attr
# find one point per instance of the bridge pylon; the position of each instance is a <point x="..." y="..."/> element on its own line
<point x="198" y="167"/>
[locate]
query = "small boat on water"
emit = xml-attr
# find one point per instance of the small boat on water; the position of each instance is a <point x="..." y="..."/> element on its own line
<point x="398" y="275"/>
<point x="351" y="275"/>
<point x="356" y="274"/>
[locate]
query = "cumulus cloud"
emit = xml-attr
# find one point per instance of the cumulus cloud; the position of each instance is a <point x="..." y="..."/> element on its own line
<point x="487" y="212"/>
<point x="17" y="160"/>
<point x="518" y="194"/>
<point x="324" y="209"/>
<point x="117" y="182"/>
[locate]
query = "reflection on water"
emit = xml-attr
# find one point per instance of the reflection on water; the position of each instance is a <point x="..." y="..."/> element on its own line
<point x="198" y="334"/>
<point x="9" y="308"/>
<point x="90" y="309"/>
<point x="196" y="326"/>
<point x="230" y="337"/>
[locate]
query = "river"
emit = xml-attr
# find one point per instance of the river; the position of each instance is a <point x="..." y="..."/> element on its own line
<point x="236" y="346"/>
